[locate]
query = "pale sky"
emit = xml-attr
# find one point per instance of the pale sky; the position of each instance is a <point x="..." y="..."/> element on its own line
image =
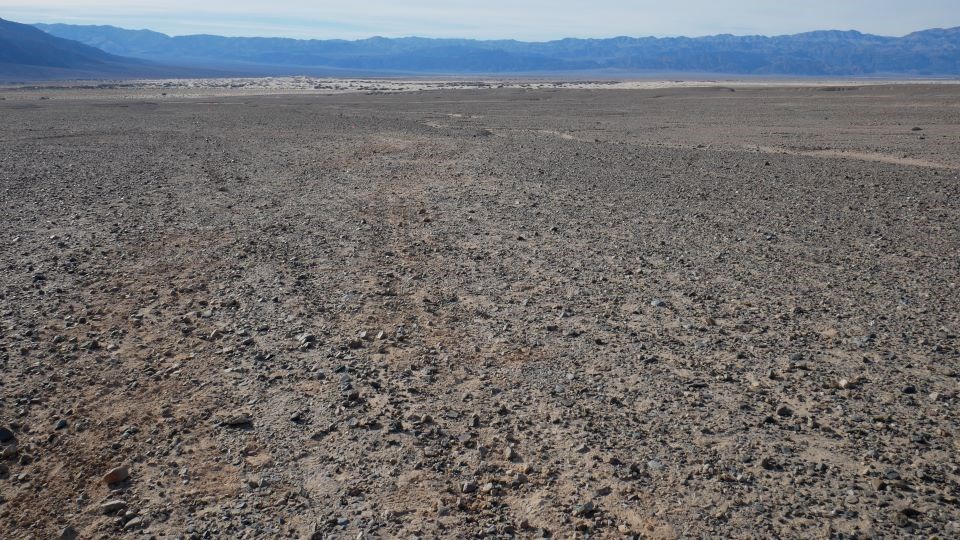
<point x="492" y="19"/>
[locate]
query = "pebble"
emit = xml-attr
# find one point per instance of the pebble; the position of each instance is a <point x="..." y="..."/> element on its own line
<point x="236" y="420"/>
<point x="784" y="411"/>
<point x="61" y="424"/>
<point x="9" y="450"/>
<point x="5" y="435"/>
<point x="115" y="505"/>
<point x="658" y="303"/>
<point x="769" y="464"/>
<point x="585" y="509"/>
<point x="468" y="487"/>
<point x="118" y="474"/>
<point x="307" y="341"/>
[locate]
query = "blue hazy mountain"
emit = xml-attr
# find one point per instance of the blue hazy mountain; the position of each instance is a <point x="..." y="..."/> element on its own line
<point x="823" y="53"/>
<point x="27" y="53"/>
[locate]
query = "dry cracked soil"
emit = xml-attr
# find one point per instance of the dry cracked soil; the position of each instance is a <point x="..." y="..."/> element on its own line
<point x="664" y="313"/>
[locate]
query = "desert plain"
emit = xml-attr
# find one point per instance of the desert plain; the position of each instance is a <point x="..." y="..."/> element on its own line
<point x="493" y="311"/>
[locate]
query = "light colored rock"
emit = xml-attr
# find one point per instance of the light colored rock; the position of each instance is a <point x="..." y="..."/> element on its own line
<point x="112" y="506"/>
<point x="118" y="474"/>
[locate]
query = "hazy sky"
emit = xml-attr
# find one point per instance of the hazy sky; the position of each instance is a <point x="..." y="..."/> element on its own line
<point x="519" y="19"/>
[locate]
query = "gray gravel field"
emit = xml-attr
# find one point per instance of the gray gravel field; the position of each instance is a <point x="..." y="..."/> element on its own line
<point x="605" y="313"/>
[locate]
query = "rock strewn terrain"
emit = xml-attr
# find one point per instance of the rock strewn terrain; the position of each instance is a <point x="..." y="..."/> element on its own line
<point x="665" y="313"/>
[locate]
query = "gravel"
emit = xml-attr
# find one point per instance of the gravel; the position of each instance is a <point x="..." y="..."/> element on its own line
<point x="619" y="313"/>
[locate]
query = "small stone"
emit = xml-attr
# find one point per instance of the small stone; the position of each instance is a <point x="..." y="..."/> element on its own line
<point x="784" y="411"/>
<point x="900" y="520"/>
<point x="585" y="509"/>
<point x="115" y="505"/>
<point x="61" y="424"/>
<point x="469" y="487"/>
<point x="68" y="533"/>
<point x="903" y="517"/>
<point x="9" y="450"/>
<point x="909" y="389"/>
<point x="236" y="420"/>
<point x="658" y="303"/>
<point x="5" y="435"/>
<point x="118" y="474"/>
<point x="133" y="523"/>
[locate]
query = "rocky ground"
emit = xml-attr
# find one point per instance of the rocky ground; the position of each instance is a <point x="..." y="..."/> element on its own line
<point x="482" y="313"/>
<point x="172" y="89"/>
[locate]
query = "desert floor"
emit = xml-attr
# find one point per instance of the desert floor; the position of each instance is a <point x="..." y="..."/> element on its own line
<point x="727" y="311"/>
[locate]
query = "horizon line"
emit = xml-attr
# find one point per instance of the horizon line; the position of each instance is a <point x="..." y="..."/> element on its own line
<point x="414" y="36"/>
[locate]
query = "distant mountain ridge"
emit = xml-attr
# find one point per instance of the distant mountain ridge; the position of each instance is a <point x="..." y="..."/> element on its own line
<point x="27" y="53"/>
<point x="823" y="53"/>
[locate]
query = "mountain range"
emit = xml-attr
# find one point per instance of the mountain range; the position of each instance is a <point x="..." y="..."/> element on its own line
<point x="27" y="53"/>
<point x="933" y="52"/>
